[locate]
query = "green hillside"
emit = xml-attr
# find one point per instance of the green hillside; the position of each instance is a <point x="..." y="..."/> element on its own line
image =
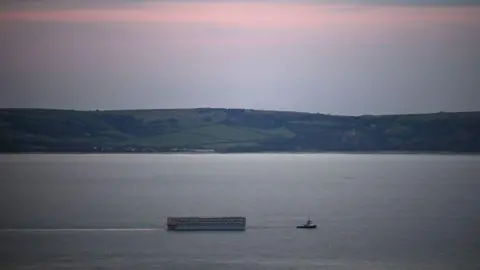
<point x="232" y="130"/>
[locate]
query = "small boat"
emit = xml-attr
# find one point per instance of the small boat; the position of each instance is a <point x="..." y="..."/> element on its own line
<point x="307" y="225"/>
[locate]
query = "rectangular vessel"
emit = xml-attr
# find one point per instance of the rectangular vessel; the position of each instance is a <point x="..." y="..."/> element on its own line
<point x="206" y="223"/>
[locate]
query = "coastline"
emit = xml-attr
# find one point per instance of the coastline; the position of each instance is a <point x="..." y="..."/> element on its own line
<point x="235" y="131"/>
<point x="259" y="152"/>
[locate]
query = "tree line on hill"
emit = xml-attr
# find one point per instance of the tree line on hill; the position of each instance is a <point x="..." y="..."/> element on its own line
<point x="39" y="130"/>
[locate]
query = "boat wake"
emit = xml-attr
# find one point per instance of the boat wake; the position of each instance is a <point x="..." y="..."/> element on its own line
<point x="74" y="230"/>
<point x="47" y="230"/>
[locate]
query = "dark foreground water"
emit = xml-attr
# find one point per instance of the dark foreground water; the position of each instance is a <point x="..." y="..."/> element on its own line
<point x="108" y="211"/>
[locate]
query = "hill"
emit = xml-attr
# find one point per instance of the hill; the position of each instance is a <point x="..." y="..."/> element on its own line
<point x="232" y="130"/>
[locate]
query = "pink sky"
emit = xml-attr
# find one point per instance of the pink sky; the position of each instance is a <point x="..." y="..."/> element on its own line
<point x="258" y="15"/>
<point x="318" y="57"/>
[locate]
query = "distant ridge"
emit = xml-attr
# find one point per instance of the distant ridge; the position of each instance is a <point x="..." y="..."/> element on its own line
<point x="233" y="130"/>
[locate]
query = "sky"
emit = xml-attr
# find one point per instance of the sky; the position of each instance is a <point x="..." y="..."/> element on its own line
<point x="349" y="57"/>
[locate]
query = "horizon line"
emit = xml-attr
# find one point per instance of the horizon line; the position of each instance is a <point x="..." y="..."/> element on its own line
<point x="234" y="108"/>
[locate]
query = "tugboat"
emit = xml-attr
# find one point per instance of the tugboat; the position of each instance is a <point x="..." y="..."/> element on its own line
<point x="307" y="225"/>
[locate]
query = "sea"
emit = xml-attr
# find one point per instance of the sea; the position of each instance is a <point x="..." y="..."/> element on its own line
<point x="108" y="211"/>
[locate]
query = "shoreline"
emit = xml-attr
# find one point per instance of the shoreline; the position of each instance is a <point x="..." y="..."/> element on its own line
<point x="260" y="152"/>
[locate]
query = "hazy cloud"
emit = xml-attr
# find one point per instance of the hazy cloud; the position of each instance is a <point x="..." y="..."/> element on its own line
<point x="59" y="4"/>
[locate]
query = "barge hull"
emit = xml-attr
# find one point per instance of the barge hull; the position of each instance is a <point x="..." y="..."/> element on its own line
<point x="206" y="223"/>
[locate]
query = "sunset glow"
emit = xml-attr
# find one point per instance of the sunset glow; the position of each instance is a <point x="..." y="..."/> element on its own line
<point x="349" y="57"/>
<point x="256" y="15"/>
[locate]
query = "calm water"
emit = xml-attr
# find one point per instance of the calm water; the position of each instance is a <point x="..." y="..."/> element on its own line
<point x="108" y="211"/>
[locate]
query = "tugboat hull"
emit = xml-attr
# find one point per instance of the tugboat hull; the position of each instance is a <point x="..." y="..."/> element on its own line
<point x="307" y="227"/>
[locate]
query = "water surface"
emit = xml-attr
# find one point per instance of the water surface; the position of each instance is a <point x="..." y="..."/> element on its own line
<point x="108" y="211"/>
